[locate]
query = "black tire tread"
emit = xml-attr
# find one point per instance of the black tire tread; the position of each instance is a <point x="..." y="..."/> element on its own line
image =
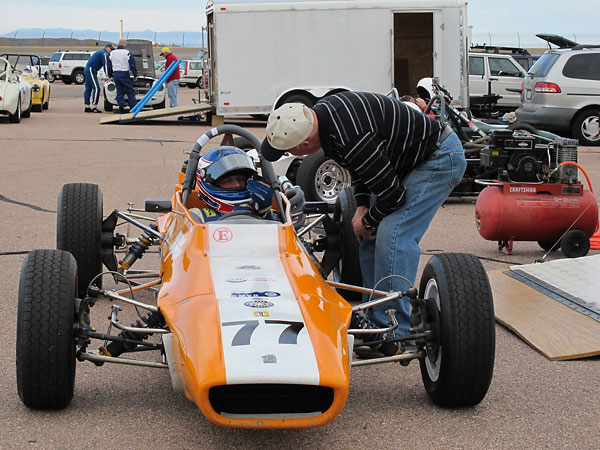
<point x="469" y="343"/>
<point x="79" y="230"/>
<point x="305" y="176"/>
<point x="45" y="345"/>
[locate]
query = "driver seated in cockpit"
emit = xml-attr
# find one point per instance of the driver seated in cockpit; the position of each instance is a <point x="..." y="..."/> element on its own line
<point x="227" y="182"/>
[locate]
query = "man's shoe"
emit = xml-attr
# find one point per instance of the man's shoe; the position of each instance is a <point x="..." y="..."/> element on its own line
<point x="121" y="110"/>
<point x="88" y="109"/>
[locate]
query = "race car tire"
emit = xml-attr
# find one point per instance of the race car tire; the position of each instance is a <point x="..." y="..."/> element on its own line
<point x="27" y="112"/>
<point x="349" y="265"/>
<point x="45" y="350"/>
<point x="459" y="363"/>
<point x="108" y="106"/>
<point x="47" y="104"/>
<point x="79" y="230"/>
<point x="321" y="178"/>
<point x="160" y="105"/>
<point x="16" y="117"/>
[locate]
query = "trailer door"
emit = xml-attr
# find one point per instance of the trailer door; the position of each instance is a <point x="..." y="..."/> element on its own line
<point x="412" y="50"/>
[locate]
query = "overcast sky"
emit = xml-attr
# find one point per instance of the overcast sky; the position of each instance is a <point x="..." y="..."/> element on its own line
<point x="525" y="16"/>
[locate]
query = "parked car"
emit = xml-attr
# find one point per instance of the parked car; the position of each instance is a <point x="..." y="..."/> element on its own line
<point x="69" y="66"/>
<point x="144" y="59"/>
<point x="29" y="66"/>
<point x="15" y="93"/>
<point x="561" y="92"/>
<point x="191" y="73"/>
<point x="494" y="74"/>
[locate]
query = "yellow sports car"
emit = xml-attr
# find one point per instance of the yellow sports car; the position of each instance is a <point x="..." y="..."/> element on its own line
<point x="30" y="67"/>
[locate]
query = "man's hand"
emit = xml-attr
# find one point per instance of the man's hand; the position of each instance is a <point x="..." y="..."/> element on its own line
<point x="360" y="231"/>
<point x="134" y="79"/>
<point x="261" y="195"/>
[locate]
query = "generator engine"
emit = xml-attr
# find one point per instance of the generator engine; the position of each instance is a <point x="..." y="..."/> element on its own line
<point x="522" y="158"/>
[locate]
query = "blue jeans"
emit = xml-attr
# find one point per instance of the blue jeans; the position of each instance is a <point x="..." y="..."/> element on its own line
<point x="124" y="85"/>
<point x="396" y="250"/>
<point x="92" y="88"/>
<point x="172" y="92"/>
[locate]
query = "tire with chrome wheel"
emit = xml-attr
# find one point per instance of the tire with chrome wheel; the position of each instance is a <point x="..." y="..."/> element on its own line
<point x="322" y="178"/>
<point x="459" y="361"/>
<point x="586" y="127"/>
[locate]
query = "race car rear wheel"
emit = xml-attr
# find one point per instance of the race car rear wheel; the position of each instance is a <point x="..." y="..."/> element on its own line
<point x="459" y="363"/>
<point x="348" y="270"/>
<point x="45" y="329"/>
<point x="79" y="230"/>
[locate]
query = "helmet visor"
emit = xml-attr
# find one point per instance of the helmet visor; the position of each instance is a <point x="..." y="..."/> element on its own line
<point x="229" y="164"/>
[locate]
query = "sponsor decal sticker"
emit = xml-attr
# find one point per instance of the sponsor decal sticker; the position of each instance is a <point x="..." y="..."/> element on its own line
<point x="261" y="314"/>
<point x="255" y="294"/>
<point x="248" y="267"/>
<point x="235" y="280"/>
<point x="269" y="359"/>
<point x="223" y="235"/>
<point x="259" y="304"/>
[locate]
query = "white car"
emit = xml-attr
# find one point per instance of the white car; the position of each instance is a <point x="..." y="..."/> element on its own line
<point x="15" y="93"/>
<point x="144" y="59"/>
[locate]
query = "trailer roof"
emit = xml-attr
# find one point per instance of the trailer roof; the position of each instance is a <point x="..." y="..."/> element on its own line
<point x="424" y="4"/>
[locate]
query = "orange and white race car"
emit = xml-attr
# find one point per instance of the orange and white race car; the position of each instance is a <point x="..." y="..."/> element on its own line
<point x="246" y="320"/>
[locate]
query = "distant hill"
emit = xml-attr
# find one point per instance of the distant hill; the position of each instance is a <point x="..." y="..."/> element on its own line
<point x="46" y="37"/>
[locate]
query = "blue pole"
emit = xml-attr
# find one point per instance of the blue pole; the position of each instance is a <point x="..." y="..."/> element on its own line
<point x="153" y="89"/>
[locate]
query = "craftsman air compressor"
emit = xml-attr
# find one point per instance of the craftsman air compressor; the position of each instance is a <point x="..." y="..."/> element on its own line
<point x="536" y="196"/>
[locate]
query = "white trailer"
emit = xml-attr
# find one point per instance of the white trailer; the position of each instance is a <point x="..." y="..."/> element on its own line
<point x="263" y="54"/>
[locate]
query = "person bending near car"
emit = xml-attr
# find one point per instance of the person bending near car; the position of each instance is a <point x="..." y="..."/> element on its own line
<point x="99" y="60"/>
<point x="403" y="165"/>
<point x="121" y="61"/>
<point x="227" y="182"/>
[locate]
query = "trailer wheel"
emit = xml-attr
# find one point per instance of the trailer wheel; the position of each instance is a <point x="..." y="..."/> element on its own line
<point x="348" y="270"/>
<point x="45" y="350"/>
<point x="322" y="178"/>
<point x="459" y="363"/>
<point x="575" y="244"/>
<point x="299" y="98"/>
<point x="79" y="230"/>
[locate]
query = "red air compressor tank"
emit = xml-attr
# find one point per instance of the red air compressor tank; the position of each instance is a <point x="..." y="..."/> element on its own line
<point x="534" y="212"/>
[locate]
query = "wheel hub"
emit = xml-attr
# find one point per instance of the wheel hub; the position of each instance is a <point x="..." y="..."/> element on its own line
<point x="330" y="179"/>
<point x="434" y="349"/>
<point x="590" y="128"/>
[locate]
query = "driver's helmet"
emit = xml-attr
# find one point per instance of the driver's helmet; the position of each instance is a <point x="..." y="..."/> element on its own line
<point x="425" y="88"/>
<point x="219" y="162"/>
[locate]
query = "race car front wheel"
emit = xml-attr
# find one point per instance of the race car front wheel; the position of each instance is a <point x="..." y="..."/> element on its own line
<point x="459" y="363"/>
<point x="79" y="230"/>
<point x="45" y="329"/>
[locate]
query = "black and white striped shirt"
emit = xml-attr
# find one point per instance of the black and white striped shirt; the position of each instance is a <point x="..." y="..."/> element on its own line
<point x="379" y="139"/>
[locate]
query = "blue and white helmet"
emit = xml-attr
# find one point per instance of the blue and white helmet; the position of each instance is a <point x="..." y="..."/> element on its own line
<point x="219" y="162"/>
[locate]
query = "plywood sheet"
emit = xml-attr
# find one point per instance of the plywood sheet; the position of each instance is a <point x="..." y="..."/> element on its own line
<point x="553" y="329"/>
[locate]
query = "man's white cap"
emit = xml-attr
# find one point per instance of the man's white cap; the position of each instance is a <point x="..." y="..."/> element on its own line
<point x="288" y="126"/>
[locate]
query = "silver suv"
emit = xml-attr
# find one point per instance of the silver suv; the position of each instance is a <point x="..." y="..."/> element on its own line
<point x="561" y="92"/>
<point x="69" y="66"/>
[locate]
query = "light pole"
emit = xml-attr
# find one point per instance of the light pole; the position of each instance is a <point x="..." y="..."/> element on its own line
<point x="121" y="32"/>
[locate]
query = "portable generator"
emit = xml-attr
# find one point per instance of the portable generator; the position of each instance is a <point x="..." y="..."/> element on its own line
<point x="536" y="196"/>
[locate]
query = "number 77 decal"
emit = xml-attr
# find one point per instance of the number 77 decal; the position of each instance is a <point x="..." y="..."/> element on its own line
<point x="288" y="336"/>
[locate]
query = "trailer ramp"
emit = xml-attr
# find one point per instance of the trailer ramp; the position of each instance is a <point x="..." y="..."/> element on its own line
<point x="554" y="306"/>
<point x="155" y="113"/>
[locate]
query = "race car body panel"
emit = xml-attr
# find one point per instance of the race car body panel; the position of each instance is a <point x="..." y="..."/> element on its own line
<point x="260" y="339"/>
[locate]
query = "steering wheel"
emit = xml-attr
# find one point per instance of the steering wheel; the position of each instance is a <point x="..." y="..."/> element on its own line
<point x="268" y="172"/>
<point x="241" y="212"/>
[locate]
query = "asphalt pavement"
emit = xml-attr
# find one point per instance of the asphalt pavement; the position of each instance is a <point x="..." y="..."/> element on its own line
<point x="532" y="403"/>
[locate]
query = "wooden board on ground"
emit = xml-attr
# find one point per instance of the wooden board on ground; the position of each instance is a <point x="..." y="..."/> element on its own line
<point x="553" y="329"/>
<point x="145" y="115"/>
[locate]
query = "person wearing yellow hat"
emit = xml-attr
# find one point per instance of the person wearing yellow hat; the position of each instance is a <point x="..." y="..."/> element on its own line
<point x="173" y="80"/>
